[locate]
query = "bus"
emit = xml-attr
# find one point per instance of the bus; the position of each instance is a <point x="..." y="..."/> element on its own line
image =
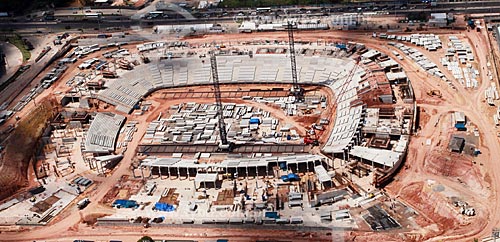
<point x="155" y="14"/>
<point x="263" y="10"/>
<point x="93" y="15"/>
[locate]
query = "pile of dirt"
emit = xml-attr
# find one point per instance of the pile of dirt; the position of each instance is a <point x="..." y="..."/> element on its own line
<point x="424" y="118"/>
<point x="438" y="209"/>
<point x="455" y="166"/>
<point x="448" y="164"/>
<point x="20" y="148"/>
<point x="91" y="219"/>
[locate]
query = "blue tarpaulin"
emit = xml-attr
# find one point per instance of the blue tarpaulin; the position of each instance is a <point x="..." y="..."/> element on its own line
<point x="293" y="177"/>
<point x="272" y="215"/>
<point x="125" y="203"/>
<point x="254" y="121"/>
<point x="164" y="207"/>
<point x="460" y="127"/>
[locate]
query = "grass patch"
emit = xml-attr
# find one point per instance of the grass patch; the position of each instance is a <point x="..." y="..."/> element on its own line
<point x="19" y="43"/>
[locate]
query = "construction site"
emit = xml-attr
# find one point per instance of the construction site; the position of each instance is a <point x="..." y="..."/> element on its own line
<point x="313" y="134"/>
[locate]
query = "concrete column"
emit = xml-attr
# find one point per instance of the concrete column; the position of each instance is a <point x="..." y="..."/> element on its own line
<point x="102" y="167"/>
<point x="133" y="173"/>
<point x="159" y="171"/>
<point x="188" y="175"/>
<point x="142" y="172"/>
<point x="168" y="171"/>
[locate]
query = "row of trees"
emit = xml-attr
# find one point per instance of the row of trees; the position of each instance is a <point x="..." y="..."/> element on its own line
<point x="24" y="6"/>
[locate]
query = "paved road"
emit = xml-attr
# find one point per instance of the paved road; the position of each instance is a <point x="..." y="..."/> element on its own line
<point x="12" y="91"/>
<point x="125" y="22"/>
<point x="13" y="60"/>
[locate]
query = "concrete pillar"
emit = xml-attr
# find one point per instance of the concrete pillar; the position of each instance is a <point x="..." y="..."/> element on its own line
<point x="142" y="172"/>
<point x="159" y="171"/>
<point x="102" y="167"/>
<point x="133" y="173"/>
<point x="168" y="171"/>
<point x="188" y="174"/>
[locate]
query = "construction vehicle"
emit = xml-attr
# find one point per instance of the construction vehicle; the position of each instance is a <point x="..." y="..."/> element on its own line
<point x="317" y="126"/>
<point x="109" y="74"/>
<point x="83" y="203"/>
<point x="145" y="59"/>
<point x="309" y="141"/>
<point x="434" y="93"/>
<point x="123" y="64"/>
<point x="313" y="134"/>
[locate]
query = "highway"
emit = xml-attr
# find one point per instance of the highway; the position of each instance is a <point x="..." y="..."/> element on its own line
<point x="71" y="18"/>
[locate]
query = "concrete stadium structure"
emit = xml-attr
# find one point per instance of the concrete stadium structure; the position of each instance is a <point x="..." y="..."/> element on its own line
<point x="332" y="72"/>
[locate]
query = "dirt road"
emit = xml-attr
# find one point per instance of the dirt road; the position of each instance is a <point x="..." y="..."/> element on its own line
<point x="468" y="101"/>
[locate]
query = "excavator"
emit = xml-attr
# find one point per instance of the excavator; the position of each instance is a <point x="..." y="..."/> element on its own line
<point x="434" y="93"/>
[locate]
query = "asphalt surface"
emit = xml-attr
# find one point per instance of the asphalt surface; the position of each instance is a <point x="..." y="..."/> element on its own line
<point x="124" y="18"/>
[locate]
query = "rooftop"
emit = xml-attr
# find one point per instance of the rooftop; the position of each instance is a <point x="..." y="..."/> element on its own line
<point x="382" y="157"/>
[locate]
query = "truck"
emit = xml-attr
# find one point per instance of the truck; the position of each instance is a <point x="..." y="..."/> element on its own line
<point x="83" y="203"/>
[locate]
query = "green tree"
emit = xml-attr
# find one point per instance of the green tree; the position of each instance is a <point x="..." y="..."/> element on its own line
<point x="145" y="239"/>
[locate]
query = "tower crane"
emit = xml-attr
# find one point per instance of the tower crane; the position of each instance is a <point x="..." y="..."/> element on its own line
<point x="296" y="90"/>
<point x="224" y="145"/>
<point x="348" y="79"/>
<point x="313" y="135"/>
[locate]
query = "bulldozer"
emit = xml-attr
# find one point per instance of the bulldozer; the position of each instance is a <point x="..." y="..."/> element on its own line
<point x="434" y="93"/>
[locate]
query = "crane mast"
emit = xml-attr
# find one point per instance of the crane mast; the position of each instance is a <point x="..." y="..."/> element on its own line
<point x="225" y="144"/>
<point x="296" y="90"/>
